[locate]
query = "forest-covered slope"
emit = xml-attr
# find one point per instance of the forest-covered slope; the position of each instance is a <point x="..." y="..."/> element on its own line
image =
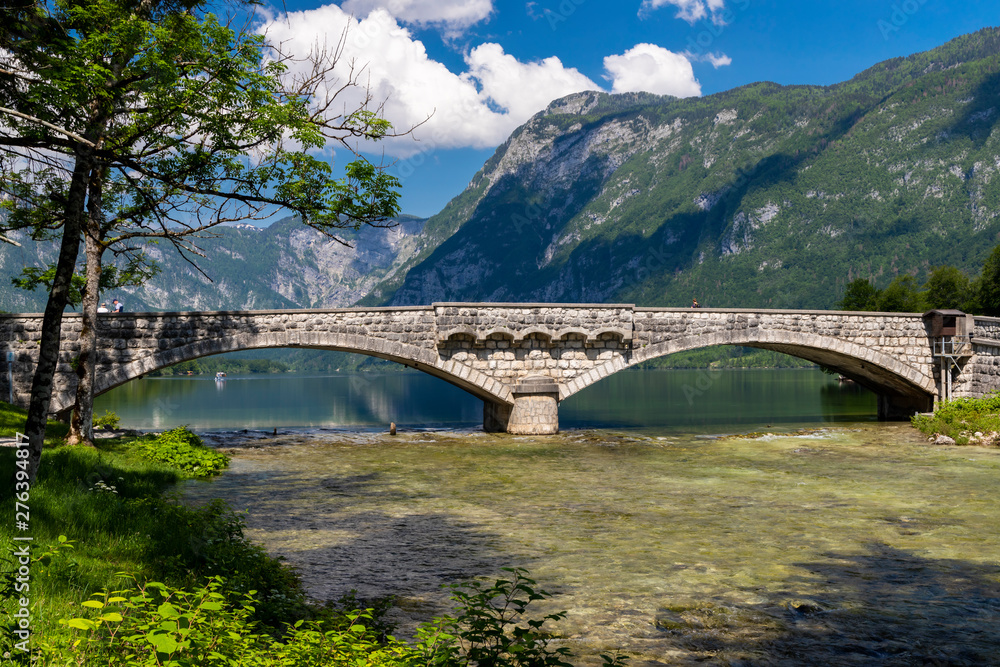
<point x="762" y="196"/>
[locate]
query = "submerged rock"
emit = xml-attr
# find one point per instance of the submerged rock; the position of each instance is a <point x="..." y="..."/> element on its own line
<point x="669" y="620"/>
<point x="806" y="606"/>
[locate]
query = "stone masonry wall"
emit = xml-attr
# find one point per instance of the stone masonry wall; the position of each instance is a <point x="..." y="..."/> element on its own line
<point x="517" y="321"/>
<point x="487" y="348"/>
<point x="508" y="360"/>
<point x="886" y="350"/>
<point x="152" y="340"/>
<point x="980" y="375"/>
<point x="902" y="335"/>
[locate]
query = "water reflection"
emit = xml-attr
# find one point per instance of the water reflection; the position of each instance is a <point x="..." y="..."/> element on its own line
<point x="704" y="401"/>
<point x="714" y="401"/>
<point x="288" y="400"/>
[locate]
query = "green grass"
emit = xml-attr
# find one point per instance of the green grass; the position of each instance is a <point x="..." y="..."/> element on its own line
<point x="12" y="421"/>
<point x="961" y="419"/>
<point x="116" y="510"/>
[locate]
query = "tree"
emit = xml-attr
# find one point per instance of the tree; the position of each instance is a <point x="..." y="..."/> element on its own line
<point x="988" y="285"/>
<point x="859" y="295"/>
<point x="901" y="296"/>
<point x="131" y="120"/>
<point x="946" y="287"/>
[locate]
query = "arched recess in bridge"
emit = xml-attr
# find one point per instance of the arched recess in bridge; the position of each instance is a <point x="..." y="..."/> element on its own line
<point x="901" y="389"/>
<point x="411" y="356"/>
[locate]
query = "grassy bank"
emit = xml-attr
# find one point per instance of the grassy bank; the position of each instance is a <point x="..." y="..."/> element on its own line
<point x="964" y="418"/>
<point x="12" y="422"/>
<point x="121" y="573"/>
<point x="100" y="512"/>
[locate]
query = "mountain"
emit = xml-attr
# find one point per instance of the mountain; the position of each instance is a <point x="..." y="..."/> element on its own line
<point x="286" y="265"/>
<point x="762" y="196"/>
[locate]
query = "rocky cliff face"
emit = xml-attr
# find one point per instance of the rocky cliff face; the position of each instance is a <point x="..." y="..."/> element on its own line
<point x="760" y="196"/>
<point x="286" y="265"/>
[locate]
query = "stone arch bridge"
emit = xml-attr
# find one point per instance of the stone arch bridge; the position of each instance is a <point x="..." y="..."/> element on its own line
<point x="523" y="359"/>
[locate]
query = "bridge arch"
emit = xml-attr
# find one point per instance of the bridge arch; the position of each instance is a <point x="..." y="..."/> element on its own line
<point x="423" y="359"/>
<point x="883" y="374"/>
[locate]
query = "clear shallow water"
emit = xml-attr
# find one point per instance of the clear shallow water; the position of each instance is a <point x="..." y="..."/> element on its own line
<point x="855" y="543"/>
<point x="853" y="546"/>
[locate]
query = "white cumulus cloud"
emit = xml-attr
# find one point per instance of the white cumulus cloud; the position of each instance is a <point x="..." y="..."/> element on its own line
<point x="716" y="59"/>
<point x="452" y="14"/>
<point x="522" y="89"/>
<point x="653" y="69"/>
<point x="478" y="108"/>
<point x="690" y="10"/>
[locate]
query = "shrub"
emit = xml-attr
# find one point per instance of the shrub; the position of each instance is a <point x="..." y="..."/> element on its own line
<point x="486" y="630"/>
<point x="108" y="420"/>
<point x="961" y="418"/>
<point x="185" y="450"/>
<point x="156" y="624"/>
<point x="491" y="628"/>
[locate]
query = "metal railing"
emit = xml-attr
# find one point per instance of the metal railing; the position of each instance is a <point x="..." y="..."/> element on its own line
<point x="952" y="346"/>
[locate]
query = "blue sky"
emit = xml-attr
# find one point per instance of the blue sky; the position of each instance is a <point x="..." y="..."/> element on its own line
<point x="480" y="68"/>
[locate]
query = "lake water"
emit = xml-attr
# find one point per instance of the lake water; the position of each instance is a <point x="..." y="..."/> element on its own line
<point x="683" y="400"/>
<point x="824" y="538"/>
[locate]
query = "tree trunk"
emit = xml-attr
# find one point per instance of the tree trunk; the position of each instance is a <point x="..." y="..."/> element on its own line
<point x="48" y="348"/>
<point x="81" y="424"/>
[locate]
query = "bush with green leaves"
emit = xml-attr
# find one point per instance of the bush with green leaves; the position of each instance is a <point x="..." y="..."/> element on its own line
<point x="181" y="448"/>
<point x="491" y="628"/>
<point x="108" y="420"/>
<point x="155" y="624"/>
<point x="962" y="418"/>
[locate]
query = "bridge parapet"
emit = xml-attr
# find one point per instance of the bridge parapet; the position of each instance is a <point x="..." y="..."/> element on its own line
<point x="987" y="328"/>
<point x="517" y="321"/>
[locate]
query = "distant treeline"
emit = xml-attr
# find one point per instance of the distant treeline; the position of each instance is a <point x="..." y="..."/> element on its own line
<point x="726" y="356"/>
<point x="213" y="365"/>
<point x="946" y="288"/>
<point x="279" y="361"/>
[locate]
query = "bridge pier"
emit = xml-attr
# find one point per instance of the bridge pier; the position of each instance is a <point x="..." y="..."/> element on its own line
<point x="535" y="410"/>
<point x="894" y="408"/>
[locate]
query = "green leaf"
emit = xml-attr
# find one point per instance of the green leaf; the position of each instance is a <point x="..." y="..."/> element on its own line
<point x="81" y="623"/>
<point x="167" y="610"/>
<point x="163" y="642"/>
